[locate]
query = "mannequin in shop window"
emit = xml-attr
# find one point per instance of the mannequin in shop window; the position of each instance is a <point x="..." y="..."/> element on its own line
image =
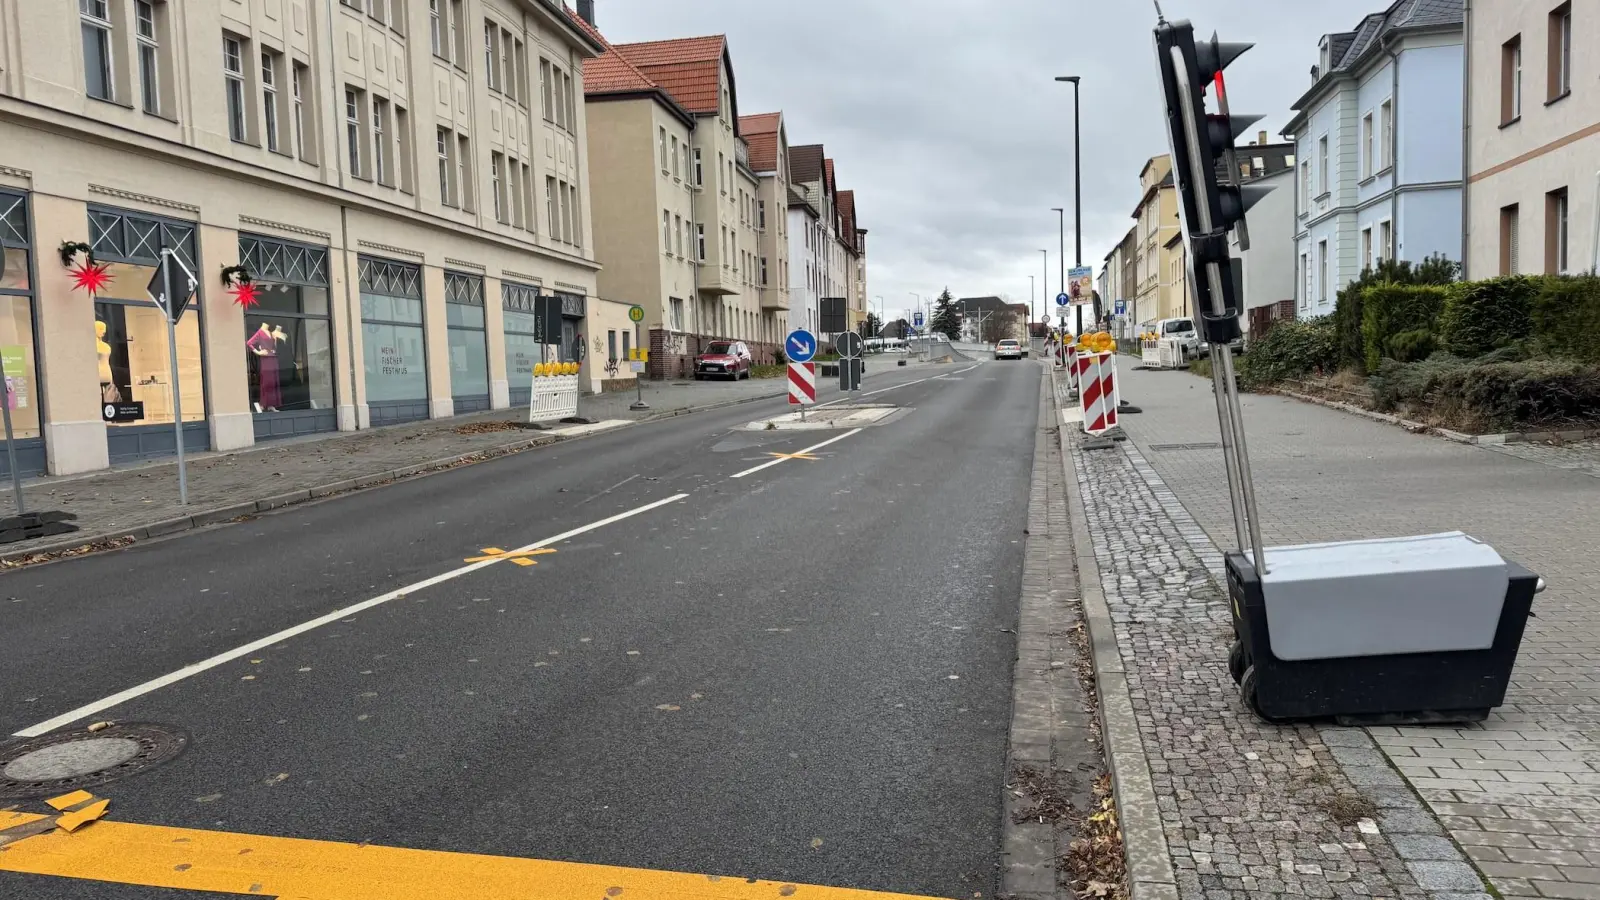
<point x="109" y="393"/>
<point x="264" y="344"/>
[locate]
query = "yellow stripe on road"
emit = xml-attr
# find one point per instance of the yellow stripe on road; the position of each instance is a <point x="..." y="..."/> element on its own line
<point x="295" y="869"/>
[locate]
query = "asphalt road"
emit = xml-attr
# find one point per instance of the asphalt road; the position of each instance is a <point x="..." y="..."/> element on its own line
<point x="800" y="674"/>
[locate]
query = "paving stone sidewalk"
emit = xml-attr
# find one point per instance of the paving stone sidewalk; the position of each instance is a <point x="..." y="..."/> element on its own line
<point x="1520" y="793"/>
<point x="127" y="499"/>
<point x="1248" y="810"/>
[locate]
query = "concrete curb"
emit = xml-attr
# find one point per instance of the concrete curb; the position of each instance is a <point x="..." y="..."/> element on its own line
<point x="1144" y="842"/>
<point x="1510" y="437"/>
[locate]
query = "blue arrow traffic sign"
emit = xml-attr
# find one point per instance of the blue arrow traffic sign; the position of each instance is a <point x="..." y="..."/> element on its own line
<point x="917" y="320"/>
<point x="1062" y="299"/>
<point x="800" y="346"/>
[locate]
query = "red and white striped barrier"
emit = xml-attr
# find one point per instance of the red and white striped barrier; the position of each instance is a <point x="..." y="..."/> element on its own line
<point x="802" y="384"/>
<point x="1072" y="358"/>
<point x="1097" y="392"/>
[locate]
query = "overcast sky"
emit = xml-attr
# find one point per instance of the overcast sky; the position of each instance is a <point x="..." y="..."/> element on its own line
<point x="944" y="118"/>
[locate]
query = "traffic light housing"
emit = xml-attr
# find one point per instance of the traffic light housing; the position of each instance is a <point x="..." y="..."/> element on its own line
<point x="1211" y="200"/>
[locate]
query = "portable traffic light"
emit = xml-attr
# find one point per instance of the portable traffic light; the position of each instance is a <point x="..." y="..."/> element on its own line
<point x="1211" y="200"/>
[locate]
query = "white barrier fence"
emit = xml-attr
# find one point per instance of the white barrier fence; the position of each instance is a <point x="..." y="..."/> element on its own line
<point x="554" y="397"/>
<point x="1162" y="353"/>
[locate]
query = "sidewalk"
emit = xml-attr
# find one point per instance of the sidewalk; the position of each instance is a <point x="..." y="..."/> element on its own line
<point x="1249" y="809"/>
<point x="142" y="500"/>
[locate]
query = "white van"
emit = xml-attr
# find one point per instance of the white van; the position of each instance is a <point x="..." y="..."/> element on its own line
<point x="1183" y="331"/>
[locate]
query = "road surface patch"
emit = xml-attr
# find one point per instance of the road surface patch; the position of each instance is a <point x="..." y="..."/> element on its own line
<point x="189" y="671"/>
<point x="267" y="866"/>
<point x="811" y="449"/>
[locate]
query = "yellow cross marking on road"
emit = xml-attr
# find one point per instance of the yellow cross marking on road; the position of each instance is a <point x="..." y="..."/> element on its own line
<point x="795" y="456"/>
<point x="267" y="866"/>
<point x="515" y="557"/>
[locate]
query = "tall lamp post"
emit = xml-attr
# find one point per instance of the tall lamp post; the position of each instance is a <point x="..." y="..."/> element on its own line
<point x="1033" y="306"/>
<point x="1077" y="186"/>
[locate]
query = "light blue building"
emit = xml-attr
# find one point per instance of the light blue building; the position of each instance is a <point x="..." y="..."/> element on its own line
<point x="1378" y="146"/>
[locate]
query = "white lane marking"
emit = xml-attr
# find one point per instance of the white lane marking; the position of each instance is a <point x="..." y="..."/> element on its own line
<point x="847" y="399"/>
<point x="155" y="684"/>
<point x="958" y="371"/>
<point x="813" y="447"/>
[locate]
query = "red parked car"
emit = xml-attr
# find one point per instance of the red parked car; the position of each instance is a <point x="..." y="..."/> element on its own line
<point x="724" y="359"/>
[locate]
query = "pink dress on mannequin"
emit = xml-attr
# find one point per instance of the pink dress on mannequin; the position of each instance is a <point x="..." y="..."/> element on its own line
<point x="265" y="346"/>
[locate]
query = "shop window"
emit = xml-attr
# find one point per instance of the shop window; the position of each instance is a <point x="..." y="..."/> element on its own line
<point x="289" y="338"/>
<point x="134" y="356"/>
<point x="393" y="352"/>
<point x="524" y="350"/>
<point x="17" y="356"/>
<point x="468" y="341"/>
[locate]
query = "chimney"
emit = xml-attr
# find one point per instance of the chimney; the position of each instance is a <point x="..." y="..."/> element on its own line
<point x="586" y="11"/>
<point x="1261" y="138"/>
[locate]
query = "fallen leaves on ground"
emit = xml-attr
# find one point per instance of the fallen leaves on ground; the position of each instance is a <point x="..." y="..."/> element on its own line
<point x="86" y="549"/>
<point x="488" y="427"/>
<point x="1095" y="863"/>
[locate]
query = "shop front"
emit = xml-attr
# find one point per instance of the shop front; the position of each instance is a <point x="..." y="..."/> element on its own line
<point x="288" y="338"/>
<point x="17" y="351"/>
<point x="519" y="305"/>
<point x="130" y="333"/>
<point x="469" y="342"/>
<point x="393" y="348"/>
<point x="574" y="307"/>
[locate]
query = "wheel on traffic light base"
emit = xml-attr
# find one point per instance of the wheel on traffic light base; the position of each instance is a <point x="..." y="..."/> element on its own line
<point x="1236" y="661"/>
<point x="1249" y="694"/>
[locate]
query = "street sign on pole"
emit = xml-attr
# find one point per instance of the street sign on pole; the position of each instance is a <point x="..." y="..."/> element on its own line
<point x="848" y="345"/>
<point x="800" y="346"/>
<point x="1062" y="299"/>
<point x="916" y="318"/>
<point x="635" y="314"/>
<point x="171" y="287"/>
<point x="1122" y="307"/>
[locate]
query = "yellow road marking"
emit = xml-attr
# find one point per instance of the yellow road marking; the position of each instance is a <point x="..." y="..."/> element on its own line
<point x="800" y="455"/>
<point x="516" y="557"/>
<point x="296" y="869"/>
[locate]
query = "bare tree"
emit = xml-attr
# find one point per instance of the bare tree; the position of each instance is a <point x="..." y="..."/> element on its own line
<point x="1000" y="325"/>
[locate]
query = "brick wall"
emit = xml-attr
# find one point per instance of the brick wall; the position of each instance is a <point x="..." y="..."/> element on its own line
<point x="672" y="356"/>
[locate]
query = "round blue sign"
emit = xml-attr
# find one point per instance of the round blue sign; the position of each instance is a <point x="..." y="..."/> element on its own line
<point x="800" y="346"/>
<point x="1062" y="299"/>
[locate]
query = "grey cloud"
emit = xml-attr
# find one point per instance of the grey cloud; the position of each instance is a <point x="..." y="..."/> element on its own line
<point x="943" y="116"/>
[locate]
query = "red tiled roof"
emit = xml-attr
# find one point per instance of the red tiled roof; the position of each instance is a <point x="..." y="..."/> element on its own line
<point x="847" y="216"/>
<point x="690" y="69"/>
<point x="827" y="168"/>
<point x="760" y="123"/>
<point x="761" y="133"/>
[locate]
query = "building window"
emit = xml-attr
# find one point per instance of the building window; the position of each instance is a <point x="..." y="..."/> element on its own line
<point x="1509" y="263"/>
<point x="352" y="129"/>
<point x="722" y="180"/>
<point x="464" y="186"/>
<point x="544" y="89"/>
<point x="405" y="159"/>
<point x="1322" y="165"/>
<point x="16" y="321"/>
<point x="521" y="321"/>
<point x="94" y="17"/>
<point x="529" y="200"/>
<point x="1322" y="271"/>
<point x="458" y="32"/>
<point x="444" y="146"/>
<point x="491" y="54"/>
<point x="763" y="271"/>
<point x="1367" y="137"/>
<point x="700" y="242"/>
<point x="149" y="58"/>
<point x="380" y="151"/>
<point x="376" y="9"/>
<point x="761" y="213"/>
<point x="1366" y="249"/>
<point x="1386" y="133"/>
<point x="1555" y="232"/>
<point x="270" y="65"/>
<point x="392" y="344"/>
<point x="677" y="236"/>
<point x="514" y="211"/>
<point x="1560" y="52"/>
<point x="661" y="150"/>
<point x="1385" y="240"/>
<point x="699" y="170"/>
<point x="552" y="208"/>
<point x="677" y="162"/>
<point x="1305" y="272"/>
<point x="496" y="184"/>
<point x="572" y="109"/>
<point x="302" y="116"/>
<point x="1511" y="80"/>
<point x="468" y="341"/>
<point x="574" y="220"/>
<point x="676" y="305"/>
<point x="288" y="334"/>
<point x="435" y="28"/>
<point x="233" y="74"/>
<point x="1305" y="187"/>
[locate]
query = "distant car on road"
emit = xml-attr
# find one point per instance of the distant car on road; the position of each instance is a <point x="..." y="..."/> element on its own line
<point x="1182" y="331"/>
<point x="1009" y="349"/>
<point x="724" y="359"/>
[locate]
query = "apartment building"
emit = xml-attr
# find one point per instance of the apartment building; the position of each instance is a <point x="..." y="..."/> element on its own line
<point x="853" y="244"/>
<point x="810" y="172"/>
<point x="768" y="141"/>
<point x="1379" y="148"/>
<point x="805" y="260"/>
<point x="1534" y="137"/>
<point x="721" y="217"/>
<point x="1158" y="291"/>
<point x="399" y="180"/>
<point x="1117" y="284"/>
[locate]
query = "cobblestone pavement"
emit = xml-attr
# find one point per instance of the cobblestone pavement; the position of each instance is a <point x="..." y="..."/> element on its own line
<point x="129" y="498"/>
<point x="1579" y="456"/>
<point x="1520" y="793"/>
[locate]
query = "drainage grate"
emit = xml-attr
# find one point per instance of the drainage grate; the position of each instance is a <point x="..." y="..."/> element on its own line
<point x="1160" y="448"/>
<point x="60" y="763"/>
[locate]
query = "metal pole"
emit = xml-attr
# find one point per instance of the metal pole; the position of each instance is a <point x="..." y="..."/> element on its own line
<point x="1077" y="194"/>
<point x="11" y="451"/>
<point x="177" y="404"/>
<point x="1061" y="234"/>
<point x="638" y="383"/>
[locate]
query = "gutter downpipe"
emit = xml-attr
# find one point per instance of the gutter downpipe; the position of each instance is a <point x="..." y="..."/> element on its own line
<point x="1466" y="134"/>
<point x="1394" y="149"/>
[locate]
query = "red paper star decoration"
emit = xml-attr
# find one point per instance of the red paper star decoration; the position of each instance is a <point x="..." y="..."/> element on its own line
<point x="246" y="295"/>
<point x="90" y="277"/>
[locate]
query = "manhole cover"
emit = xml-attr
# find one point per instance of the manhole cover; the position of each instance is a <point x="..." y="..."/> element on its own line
<point x="58" y="763"/>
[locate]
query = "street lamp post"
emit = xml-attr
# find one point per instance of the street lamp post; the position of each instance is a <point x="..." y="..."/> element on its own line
<point x="1077" y="184"/>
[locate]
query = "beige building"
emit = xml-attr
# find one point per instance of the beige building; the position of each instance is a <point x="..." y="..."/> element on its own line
<point x="1159" y="260"/>
<point x="401" y="180"/>
<point x="768" y="141"/>
<point x="1533" y="160"/>
<point x="679" y="151"/>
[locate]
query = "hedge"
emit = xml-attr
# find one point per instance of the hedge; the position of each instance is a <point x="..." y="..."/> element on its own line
<point x="1488" y="397"/>
<point x="1564" y="318"/>
<point x="1392" y="315"/>
<point x="1290" y="350"/>
<point x="1480" y="316"/>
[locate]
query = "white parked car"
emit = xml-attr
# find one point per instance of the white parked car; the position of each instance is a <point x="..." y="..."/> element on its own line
<point x="1182" y="331"/>
<point x="1009" y="349"/>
